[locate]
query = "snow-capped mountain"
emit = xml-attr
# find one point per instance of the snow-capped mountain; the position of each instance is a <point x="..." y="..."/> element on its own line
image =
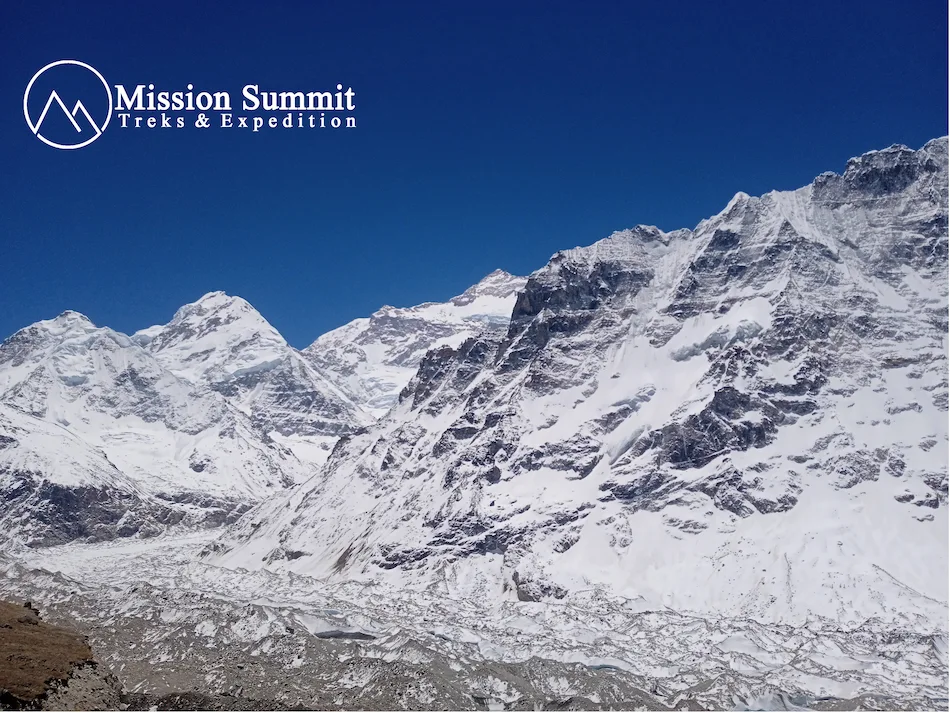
<point x="748" y="418"/>
<point x="222" y="341"/>
<point x="194" y="420"/>
<point x="375" y="357"/>
<point x="703" y="468"/>
<point x="179" y="445"/>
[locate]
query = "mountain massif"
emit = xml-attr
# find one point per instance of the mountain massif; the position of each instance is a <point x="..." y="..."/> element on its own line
<point x="104" y="435"/>
<point x="704" y="467"/>
<point x="750" y="417"/>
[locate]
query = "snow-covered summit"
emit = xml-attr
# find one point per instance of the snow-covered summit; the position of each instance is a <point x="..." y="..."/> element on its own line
<point x="68" y="320"/>
<point x="43" y="335"/>
<point x="223" y="342"/>
<point x="217" y="338"/>
<point x="374" y="358"/>
<point x="497" y="284"/>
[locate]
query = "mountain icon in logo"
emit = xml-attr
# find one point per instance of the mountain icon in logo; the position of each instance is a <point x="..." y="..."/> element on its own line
<point x="82" y="129"/>
<point x="71" y="115"/>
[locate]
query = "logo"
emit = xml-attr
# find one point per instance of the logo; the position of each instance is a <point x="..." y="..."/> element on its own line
<point x="68" y="104"/>
<point x="59" y="86"/>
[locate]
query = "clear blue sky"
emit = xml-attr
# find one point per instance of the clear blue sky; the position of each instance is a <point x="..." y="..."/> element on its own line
<point x="491" y="134"/>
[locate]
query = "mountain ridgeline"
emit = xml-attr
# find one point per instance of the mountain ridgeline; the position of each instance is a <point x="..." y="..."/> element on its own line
<point x="750" y="417"/>
<point x="745" y="417"/>
<point x="191" y="423"/>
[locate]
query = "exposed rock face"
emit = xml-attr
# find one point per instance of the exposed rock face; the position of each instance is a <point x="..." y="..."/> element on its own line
<point x="771" y="380"/>
<point x="46" y="667"/>
<point x="374" y="358"/>
<point x="56" y="488"/>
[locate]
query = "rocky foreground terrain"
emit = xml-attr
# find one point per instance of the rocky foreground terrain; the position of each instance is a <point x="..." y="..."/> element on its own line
<point x="182" y="634"/>
<point x="49" y="667"/>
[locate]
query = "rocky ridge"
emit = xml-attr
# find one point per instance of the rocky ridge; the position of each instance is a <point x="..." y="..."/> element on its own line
<point x="755" y="395"/>
<point x="374" y="358"/>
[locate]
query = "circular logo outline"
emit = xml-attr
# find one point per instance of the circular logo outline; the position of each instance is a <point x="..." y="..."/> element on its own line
<point x="35" y="129"/>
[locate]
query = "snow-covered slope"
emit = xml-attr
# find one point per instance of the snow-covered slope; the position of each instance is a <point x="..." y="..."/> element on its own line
<point x="222" y="341"/>
<point x="181" y="444"/>
<point x="747" y="419"/>
<point x="207" y="414"/>
<point x="375" y="357"/>
<point x="56" y="487"/>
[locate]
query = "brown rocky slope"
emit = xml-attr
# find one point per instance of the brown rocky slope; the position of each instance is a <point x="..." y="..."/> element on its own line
<point x="46" y="667"/>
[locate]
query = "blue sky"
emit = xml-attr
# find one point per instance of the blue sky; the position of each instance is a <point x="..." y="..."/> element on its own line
<point x="490" y="134"/>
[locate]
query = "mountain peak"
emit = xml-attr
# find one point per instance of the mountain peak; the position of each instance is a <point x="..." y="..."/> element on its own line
<point x="31" y="343"/>
<point x="66" y="324"/>
<point x="885" y="172"/>
<point x="216" y="333"/>
<point x="498" y="284"/>
<point x="374" y="358"/>
<point x="220" y="340"/>
<point x="632" y="244"/>
<point x="939" y="144"/>
<point x="220" y="309"/>
<point x="71" y="314"/>
<point x="218" y="297"/>
<point x="215" y="302"/>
